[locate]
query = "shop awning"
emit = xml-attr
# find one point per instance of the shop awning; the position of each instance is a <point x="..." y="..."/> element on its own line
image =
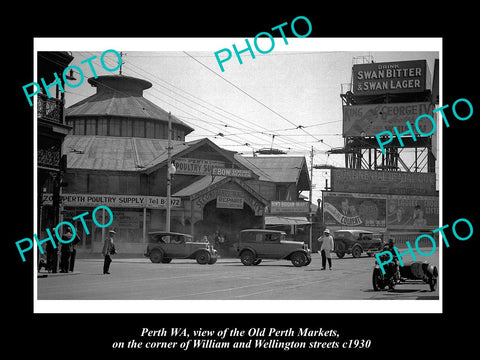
<point x="286" y="220"/>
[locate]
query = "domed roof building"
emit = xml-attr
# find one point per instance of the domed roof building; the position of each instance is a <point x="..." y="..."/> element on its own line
<point x="118" y="108"/>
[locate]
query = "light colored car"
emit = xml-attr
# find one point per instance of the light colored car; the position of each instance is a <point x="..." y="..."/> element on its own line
<point x="256" y="244"/>
<point x="164" y="246"/>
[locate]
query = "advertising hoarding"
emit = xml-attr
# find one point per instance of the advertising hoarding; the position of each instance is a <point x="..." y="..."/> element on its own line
<point x="354" y="210"/>
<point x="190" y="166"/>
<point x="412" y="213"/>
<point x="382" y="182"/>
<point x="391" y="212"/>
<point x="283" y="207"/>
<point x="371" y="119"/>
<point x="391" y="77"/>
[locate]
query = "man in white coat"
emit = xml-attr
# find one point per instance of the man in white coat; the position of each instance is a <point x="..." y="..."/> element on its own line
<point x="326" y="249"/>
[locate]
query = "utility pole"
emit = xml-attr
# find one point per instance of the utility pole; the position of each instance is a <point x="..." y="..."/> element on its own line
<point x="169" y="177"/>
<point x="310" y="198"/>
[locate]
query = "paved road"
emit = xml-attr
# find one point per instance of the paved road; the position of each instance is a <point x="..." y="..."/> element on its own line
<point x="228" y="279"/>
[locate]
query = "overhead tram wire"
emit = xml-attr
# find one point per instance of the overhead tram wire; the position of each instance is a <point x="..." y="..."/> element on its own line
<point x="269" y="131"/>
<point x="118" y="91"/>
<point x="182" y="110"/>
<point x="253" y="98"/>
<point x="223" y="125"/>
<point x="214" y="134"/>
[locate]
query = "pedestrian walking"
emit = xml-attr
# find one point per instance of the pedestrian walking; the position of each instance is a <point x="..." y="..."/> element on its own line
<point x="108" y="250"/>
<point x="326" y="248"/>
<point x="52" y="257"/>
<point x="65" y="253"/>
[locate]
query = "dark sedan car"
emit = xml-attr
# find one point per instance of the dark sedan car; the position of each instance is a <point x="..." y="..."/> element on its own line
<point x="356" y="242"/>
<point x="164" y="246"/>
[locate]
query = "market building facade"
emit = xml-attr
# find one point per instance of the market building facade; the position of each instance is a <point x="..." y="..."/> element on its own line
<point x="117" y="155"/>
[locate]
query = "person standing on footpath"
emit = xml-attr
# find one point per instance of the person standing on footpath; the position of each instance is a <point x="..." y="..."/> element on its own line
<point x="108" y="249"/>
<point x="74" y="243"/>
<point x="65" y="252"/>
<point x="326" y="248"/>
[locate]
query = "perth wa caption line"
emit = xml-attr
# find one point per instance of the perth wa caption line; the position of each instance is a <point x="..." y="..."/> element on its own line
<point x="262" y="338"/>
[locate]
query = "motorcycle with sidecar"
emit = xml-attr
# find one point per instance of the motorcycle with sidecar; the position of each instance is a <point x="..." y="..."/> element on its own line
<point x="395" y="274"/>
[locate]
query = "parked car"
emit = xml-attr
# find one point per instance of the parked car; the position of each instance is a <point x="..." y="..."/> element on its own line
<point x="257" y="244"/>
<point x="356" y="242"/>
<point x="164" y="246"/>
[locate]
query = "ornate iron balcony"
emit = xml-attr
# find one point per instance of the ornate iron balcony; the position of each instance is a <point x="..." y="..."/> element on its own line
<point x="50" y="109"/>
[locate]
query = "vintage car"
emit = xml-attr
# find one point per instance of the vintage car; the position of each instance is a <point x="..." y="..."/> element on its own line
<point x="256" y="244"/>
<point x="356" y="242"/>
<point x="164" y="246"/>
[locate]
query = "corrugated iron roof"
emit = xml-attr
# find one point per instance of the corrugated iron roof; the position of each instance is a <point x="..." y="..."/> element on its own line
<point x="115" y="153"/>
<point x="121" y="96"/>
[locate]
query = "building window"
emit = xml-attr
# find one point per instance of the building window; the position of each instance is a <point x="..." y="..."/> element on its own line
<point x="78" y="127"/>
<point x="102" y="127"/>
<point x="150" y="129"/>
<point x="139" y="128"/>
<point x="115" y="127"/>
<point x="127" y="128"/>
<point x="91" y="127"/>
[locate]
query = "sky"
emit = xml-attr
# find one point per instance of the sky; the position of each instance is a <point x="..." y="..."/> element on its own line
<point x="288" y="99"/>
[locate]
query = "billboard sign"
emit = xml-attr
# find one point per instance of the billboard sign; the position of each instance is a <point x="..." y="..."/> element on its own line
<point x="390" y="77"/>
<point x="391" y="212"/>
<point x="354" y="210"/>
<point x="371" y="119"/>
<point x="382" y="182"/>
<point x="412" y="212"/>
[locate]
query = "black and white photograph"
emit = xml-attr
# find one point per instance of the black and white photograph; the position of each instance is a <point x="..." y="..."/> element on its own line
<point x="257" y="193"/>
<point x="222" y="185"/>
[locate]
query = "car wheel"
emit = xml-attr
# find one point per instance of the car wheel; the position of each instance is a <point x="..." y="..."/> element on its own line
<point x="166" y="260"/>
<point x="257" y="261"/>
<point x="213" y="260"/>
<point x="356" y="251"/>
<point x="203" y="257"/>
<point x="298" y="259"/>
<point x="247" y="257"/>
<point x="340" y="249"/>
<point x="156" y="256"/>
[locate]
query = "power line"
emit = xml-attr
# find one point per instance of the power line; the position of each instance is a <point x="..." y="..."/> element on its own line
<point x="223" y="124"/>
<point x="253" y="98"/>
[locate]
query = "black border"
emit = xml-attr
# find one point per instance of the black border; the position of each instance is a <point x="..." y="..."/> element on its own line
<point x="92" y="334"/>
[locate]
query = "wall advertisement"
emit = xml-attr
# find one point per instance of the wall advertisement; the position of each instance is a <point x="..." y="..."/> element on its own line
<point x="393" y="212"/>
<point x="371" y="119"/>
<point x="382" y="182"/>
